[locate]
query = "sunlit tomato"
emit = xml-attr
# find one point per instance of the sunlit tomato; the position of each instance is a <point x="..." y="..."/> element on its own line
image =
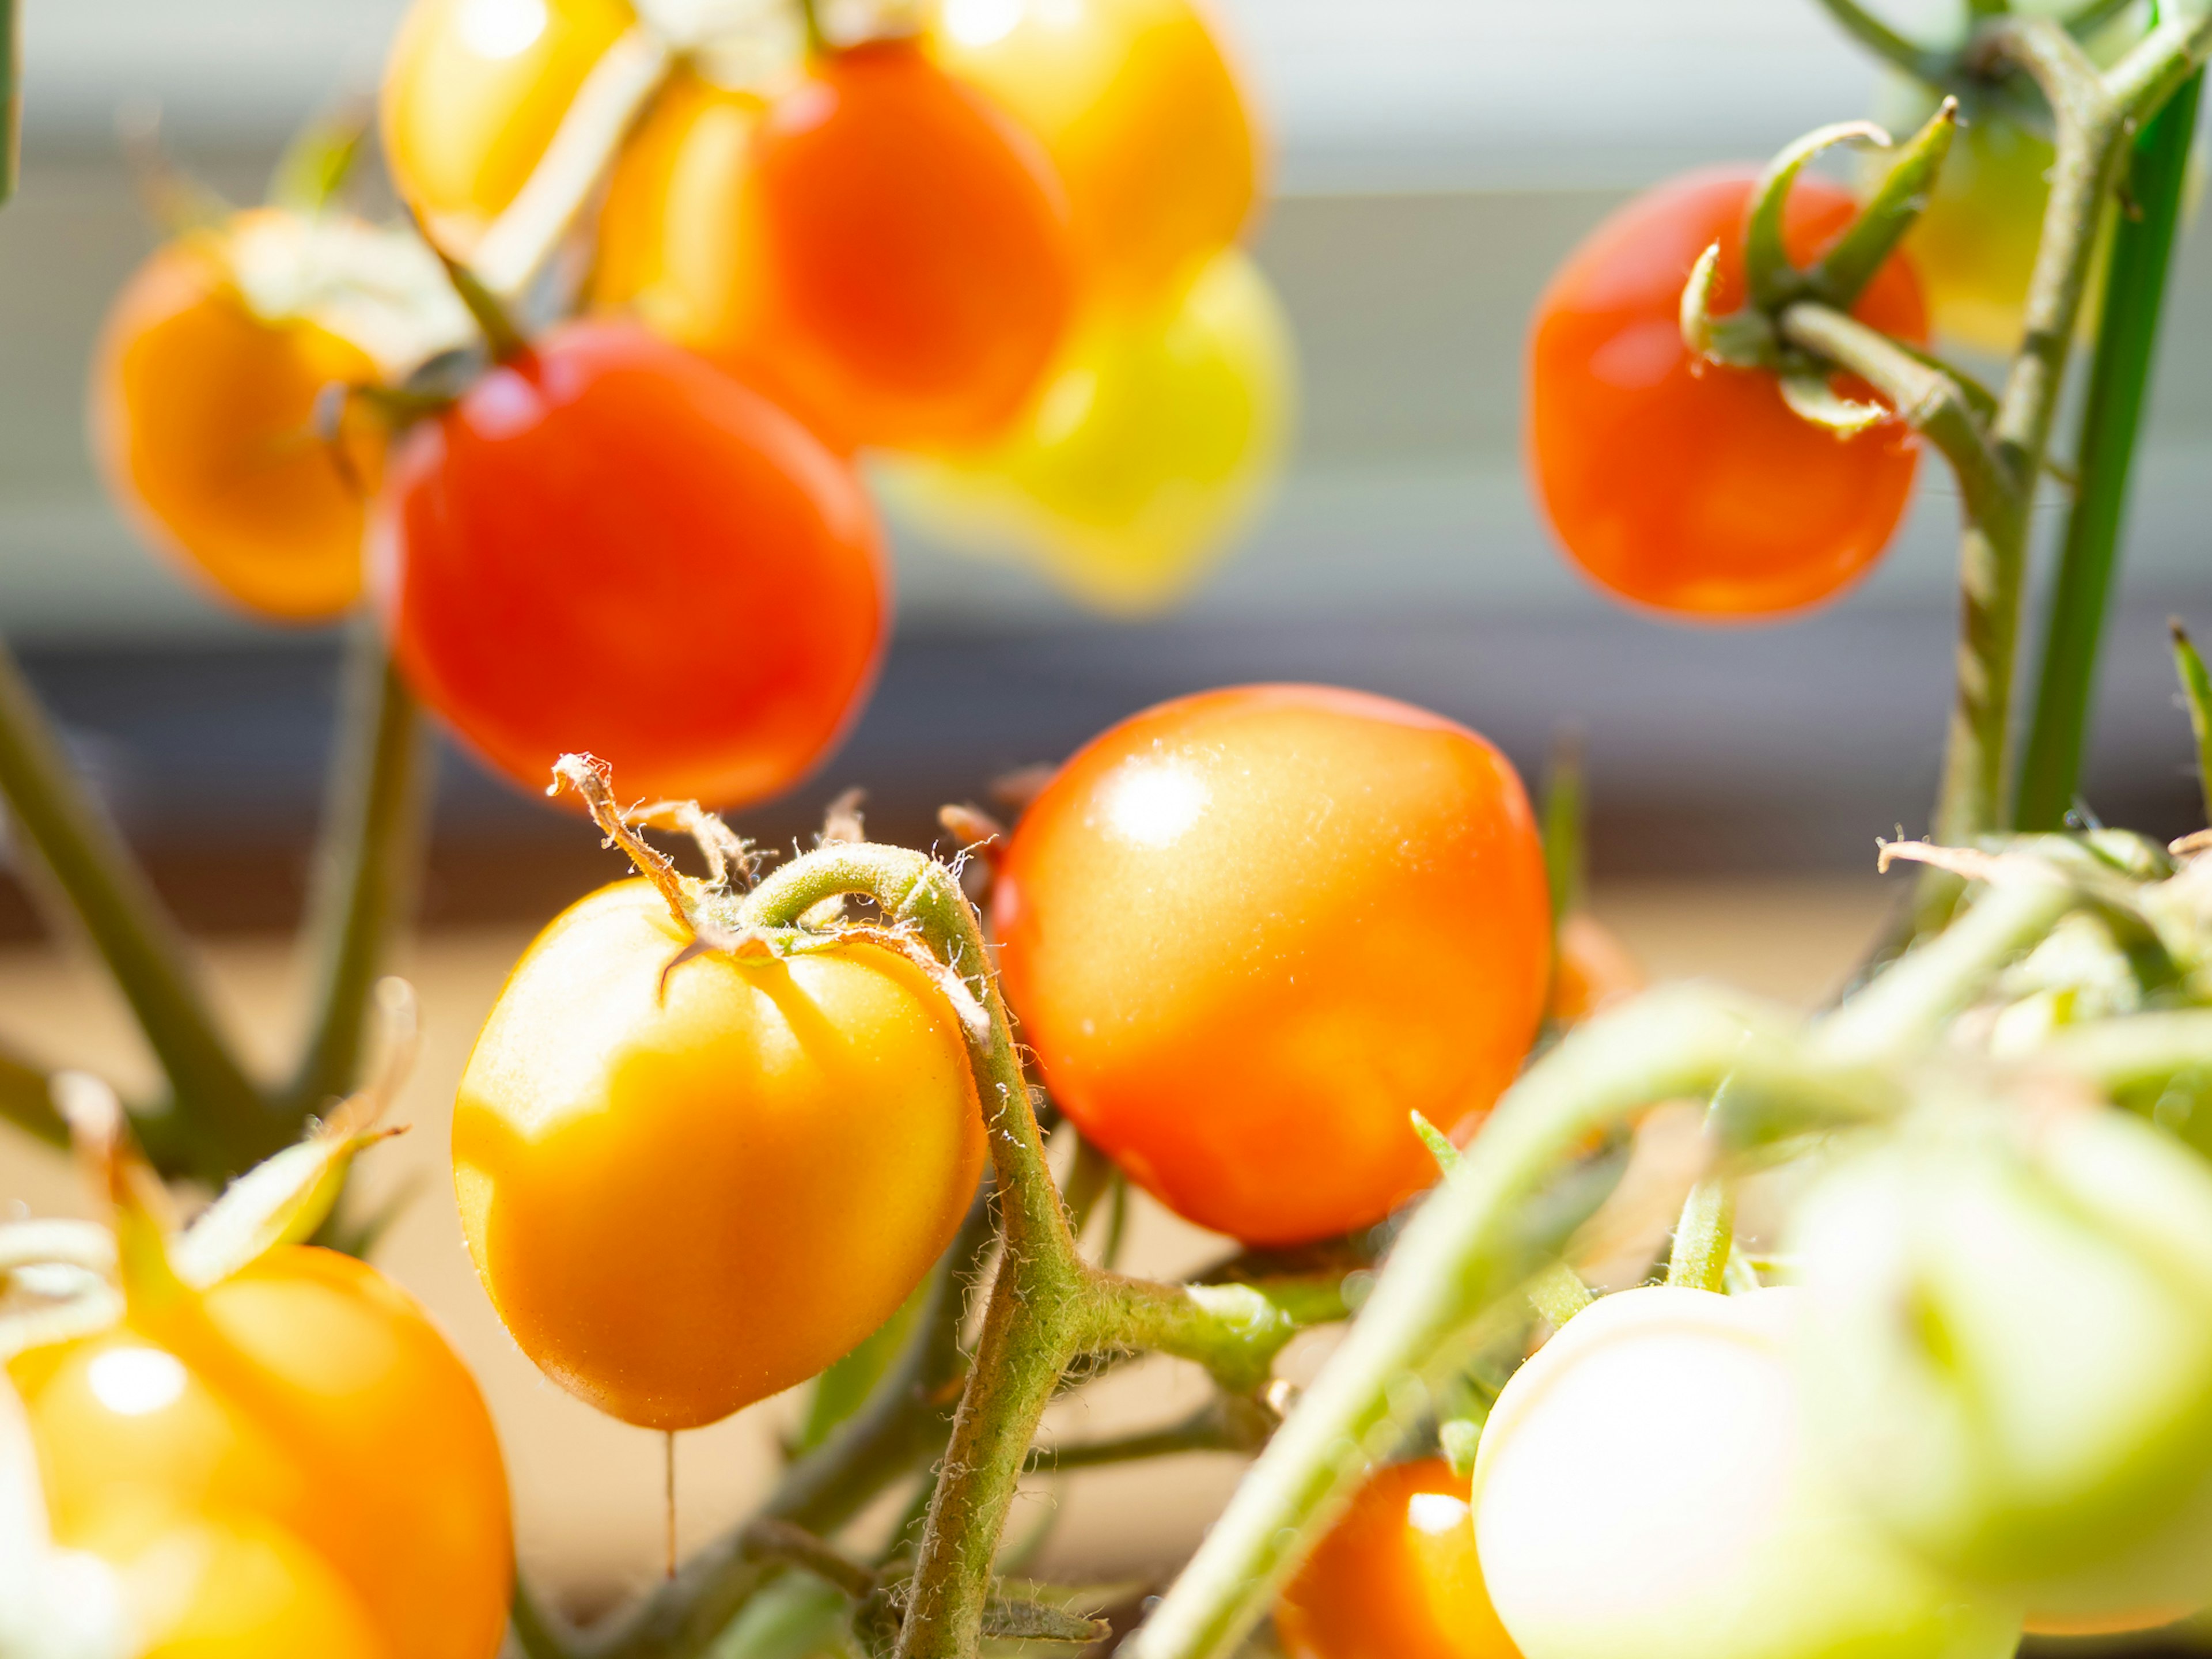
<point x="682" y="1201"/>
<point x="1396" y="1578"/>
<point x="1684" y="486"/>
<point x="295" y="1453"/>
<point x="1593" y="969"/>
<point x="1643" y="1486"/>
<point x="609" y="544"/>
<point x="474" y="91"/>
<point x="2042" y="1421"/>
<point x="1247" y="933"/>
<point x="908" y="260"/>
<point x="1140" y="111"/>
<point x="1150" y="446"/>
<point x="203" y="417"/>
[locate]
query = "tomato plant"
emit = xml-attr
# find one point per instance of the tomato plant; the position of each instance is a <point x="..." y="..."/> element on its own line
<point x="203" y="413"/>
<point x="609" y="542"/>
<point x="1156" y="436"/>
<point x="1397" y="1577"/>
<point x="1238" y="986"/>
<point x="292" y="1460"/>
<point x="474" y="91"/>
<point x="1141" y="112"/>
<point x="683" y="1201"/>
<point x="1643" y="1486"/>
<point x="1689" y="487"/>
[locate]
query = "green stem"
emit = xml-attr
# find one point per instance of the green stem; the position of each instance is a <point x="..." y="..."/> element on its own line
<point x="2111" y="418"/>
<point x="2197" y="695"/>
<point x="1921" y="62"/>
<point x="1227" y="1422"/>
<point x="1699" y="1261"/>
<point x="27" y="1101"/>
<point x="1470" y="1246"/>
<point x="366" y="870"/>
<point x="226" y="1125"/>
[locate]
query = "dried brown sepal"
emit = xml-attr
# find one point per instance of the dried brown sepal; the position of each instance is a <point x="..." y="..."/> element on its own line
<point x="593" y="779"/>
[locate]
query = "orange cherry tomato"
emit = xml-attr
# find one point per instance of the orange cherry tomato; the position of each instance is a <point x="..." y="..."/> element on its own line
<point x="1396" y="1578"/>
<point x="295" y="1453"/>
<point x="474" y="91"/>
<point x="1248" y="932"/>
<point x="202" y="418"/>
<point x="1593" y="969"/>
<point x="909" y="253"/>
<point x="1140" y="111"/>
<point x="1687" y="487"/>
<point x="684" y="1200"/>
<point x="609" y="544"/>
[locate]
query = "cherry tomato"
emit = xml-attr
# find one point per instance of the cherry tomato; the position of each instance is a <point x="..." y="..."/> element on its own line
<point x="1593" y="969"/>
<point x="910" y="261"/>
<point x="202" y="418"/>
<point x="2043" y="1424"/>
<point x="1684" y="486"/>
<point x="1154" y="439"/>
<point x="1248" y="932"/>
<point x="474" y="91"/>
<point x="294" y="1452"/>
<point x="1141" y="113"/>
<point x="609" y="544"/>
<point x="1645" y="1487"/>
<point x="683" y="1201"/>
<point x="1396" y="1578"/>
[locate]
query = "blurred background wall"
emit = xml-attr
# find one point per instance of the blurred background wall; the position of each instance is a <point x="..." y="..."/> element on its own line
<point x="1436" y="158"/>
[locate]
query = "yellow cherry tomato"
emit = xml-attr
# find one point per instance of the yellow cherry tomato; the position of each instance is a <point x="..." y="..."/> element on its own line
<point x="473" y="93"/>
<point x="1139" y="110"/>
<point x="1645" y="1485"/>
<point x="202" y="418"/>
<point x="1396" y="1578"/>
<point x="294" y="1453"/>
<point x="684" y="1200"/>
<point x="1153" y="443"/>
<point x="672" y="243"/>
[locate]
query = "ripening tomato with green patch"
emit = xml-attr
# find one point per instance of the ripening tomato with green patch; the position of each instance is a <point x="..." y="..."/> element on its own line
<point x="687" y="1194"/>
<point x="1247" y="933"/>
<point x="472" y="93"/>
<point x="289" y="1461"/>
<point x="1143" y="114"/>
<point x="1689" y="487"/>
<point x="1397" y="1577"/>
<point x="609" y="543"/>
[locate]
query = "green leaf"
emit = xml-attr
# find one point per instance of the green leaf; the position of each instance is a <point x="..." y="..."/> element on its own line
<point x="2197" y="692"/>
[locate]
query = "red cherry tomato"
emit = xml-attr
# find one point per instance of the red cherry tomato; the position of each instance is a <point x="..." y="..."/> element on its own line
<point x="1684" y="486"/>
<point x="913" y="267"/>
<point x="1247" y="933"/>
<point x="609" y="544"/>
<point x="1396" y="1578"/>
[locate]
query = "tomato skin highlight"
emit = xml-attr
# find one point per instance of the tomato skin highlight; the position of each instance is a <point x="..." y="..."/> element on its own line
<point x="302" y="1431"/>
<point x="608" y="544"/>
<point x="1246" y="933"/>
<point x="202" y="418"/>
<point x="1397" y="1577"/>
<point x="1691" y="487"/>
<point x="683" y="1205"/>
<point x="1142" y="113"/>
<point x="472" y="93"/>
<point x="914" y="266"/>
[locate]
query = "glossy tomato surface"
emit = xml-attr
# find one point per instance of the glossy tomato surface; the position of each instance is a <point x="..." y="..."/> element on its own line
<point x="1688" y="486"/>
<point x="203" y="417"/>
<point x="1247" y="932"/>
<point x="1145" y="118"/>
<point x="609" y="544"/>
<point x="1396" y="1578"/>
<point x="911" y="249"/>
<point x="1158" y="433"/>
<point x="473" y="93"/>
<point x="298" y="1450"/>
<point x="685" y="1202"/>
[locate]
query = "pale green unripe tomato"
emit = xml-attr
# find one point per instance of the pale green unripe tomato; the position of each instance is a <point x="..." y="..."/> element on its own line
<point x="2007" y="1355"/>
<point x="1644" y="1488"/>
